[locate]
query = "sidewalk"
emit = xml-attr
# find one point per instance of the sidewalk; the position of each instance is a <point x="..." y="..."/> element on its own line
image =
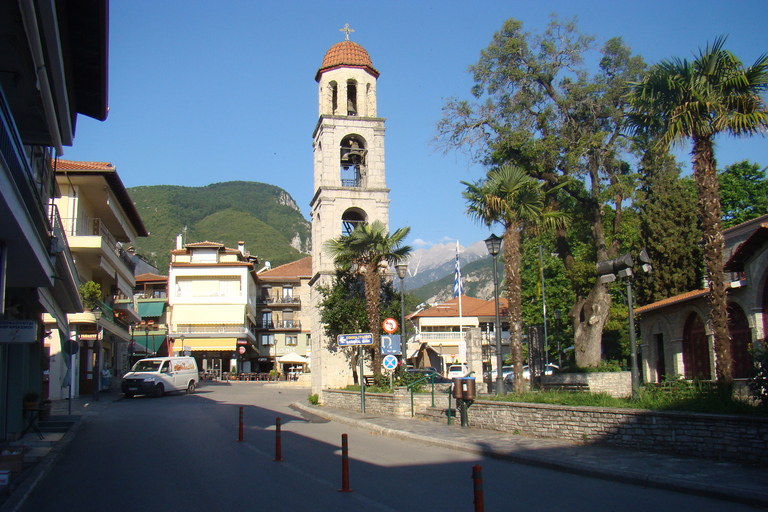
<point x="722" y="480"/>
<point x="41" y="454"/>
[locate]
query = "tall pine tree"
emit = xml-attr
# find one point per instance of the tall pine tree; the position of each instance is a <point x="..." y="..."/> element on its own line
<point x="670" y="228"/>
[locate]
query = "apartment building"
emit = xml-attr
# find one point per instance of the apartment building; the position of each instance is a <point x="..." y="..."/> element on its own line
<point x="101" y="223"/>
<point x="283" y="325"/>
<point x="212" y="299"/>
<point x="50" y="74"/>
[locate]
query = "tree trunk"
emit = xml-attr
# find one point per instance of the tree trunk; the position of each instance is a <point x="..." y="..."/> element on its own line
<point x="512" y="264"/>
<point x="705" y="174"/>
<point x="373" y="308"/>
<point x="588" y="317"/>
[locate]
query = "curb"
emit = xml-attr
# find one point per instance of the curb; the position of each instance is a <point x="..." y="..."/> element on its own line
<point x="708" y="489"/>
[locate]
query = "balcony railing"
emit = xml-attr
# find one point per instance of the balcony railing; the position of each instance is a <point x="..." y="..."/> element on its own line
<point x="279" y="325"/>
<point x="95" y="227"/>
<point x="211" y="328"/>
<point x="282" y="301"/>
<point x="28" y="184"/>
<point x="59" y="244"/>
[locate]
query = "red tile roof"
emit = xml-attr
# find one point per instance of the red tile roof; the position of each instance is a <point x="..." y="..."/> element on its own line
<point x="150" y="277"/>
<point x="299" y="268"/>
<point x="672" y="300"/>
<point x="346" y="54"/>
<point x="65" y="165"/>
<point x="470" y="306"/>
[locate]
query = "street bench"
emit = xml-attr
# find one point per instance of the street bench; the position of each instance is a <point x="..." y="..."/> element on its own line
<point x="565" y="386"/>
<point x="369" y="380"/>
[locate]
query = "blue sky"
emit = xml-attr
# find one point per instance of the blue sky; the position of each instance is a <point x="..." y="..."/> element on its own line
<point x="203" y="92"/>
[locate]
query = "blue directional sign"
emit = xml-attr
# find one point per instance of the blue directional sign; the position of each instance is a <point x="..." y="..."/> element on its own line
<point x="350" y="340"/>
<point x="390" y="344"/>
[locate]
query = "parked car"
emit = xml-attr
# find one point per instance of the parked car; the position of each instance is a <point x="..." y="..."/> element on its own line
<point x="549" y="369"/>
<point x="428" y="372"/>
<point x="456" y="371"/>
<point x="505" y="370"/>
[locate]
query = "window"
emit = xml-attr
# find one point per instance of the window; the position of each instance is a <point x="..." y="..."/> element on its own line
<point x="267" y="339"/>
<point x="291" y="341"/>
<point x="266" y="319"/>
<point x="209" y="286"/>
<point x="287" y="293"/>
<point x="204" y="256"/>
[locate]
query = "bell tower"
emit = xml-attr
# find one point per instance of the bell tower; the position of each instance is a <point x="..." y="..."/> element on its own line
<point x="349" y="181"/>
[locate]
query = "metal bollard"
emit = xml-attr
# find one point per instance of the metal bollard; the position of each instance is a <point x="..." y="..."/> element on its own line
<point x="344" y="464"/>
<point x="477" y="482"/>
<point x="240" y="437"/>
<point x="278" y="444"/>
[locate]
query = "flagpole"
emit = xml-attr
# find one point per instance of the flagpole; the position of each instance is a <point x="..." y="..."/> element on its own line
<point x="458" y="290"/>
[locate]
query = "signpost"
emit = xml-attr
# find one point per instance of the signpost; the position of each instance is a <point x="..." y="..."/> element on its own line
<point x="390" y="363"/>
<point x="351" y="340"/>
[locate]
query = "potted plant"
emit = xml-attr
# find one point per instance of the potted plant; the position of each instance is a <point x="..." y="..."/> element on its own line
<point x="90" y="292"/>
<point x="30" y="400"/>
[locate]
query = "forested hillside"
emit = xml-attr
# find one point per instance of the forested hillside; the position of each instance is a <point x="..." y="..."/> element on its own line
<point x="264" y="216"/>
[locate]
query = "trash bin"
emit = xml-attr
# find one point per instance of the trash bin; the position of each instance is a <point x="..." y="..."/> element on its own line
<point x="468" y="388"/>
<point x="457" y="391"/>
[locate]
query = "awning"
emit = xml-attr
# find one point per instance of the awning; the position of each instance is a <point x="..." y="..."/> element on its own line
<point x="152" y="342"/>
<point x="151" y="309"/>
<point x="292" y="358"/>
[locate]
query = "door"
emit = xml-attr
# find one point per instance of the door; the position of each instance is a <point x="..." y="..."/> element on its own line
<point x="696" y="349"/>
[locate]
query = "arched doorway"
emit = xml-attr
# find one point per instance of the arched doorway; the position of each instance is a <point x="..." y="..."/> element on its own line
<point x="696" y="349"/>
<point x="741" y="340"/>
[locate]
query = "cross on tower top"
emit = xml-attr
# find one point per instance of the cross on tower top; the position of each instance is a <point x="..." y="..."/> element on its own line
<point x="346" y="30"/>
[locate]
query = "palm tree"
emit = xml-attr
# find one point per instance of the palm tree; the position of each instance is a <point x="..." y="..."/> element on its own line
<point x="679" y="100"/>
<point x="510" y="196"/>
<point x="364" y="251"/>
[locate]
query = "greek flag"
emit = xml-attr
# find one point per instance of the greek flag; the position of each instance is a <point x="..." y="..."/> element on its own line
<point x="458" y="289"/>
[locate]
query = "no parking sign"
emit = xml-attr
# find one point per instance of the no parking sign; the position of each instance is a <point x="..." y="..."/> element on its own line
<point x="389" y="362"/>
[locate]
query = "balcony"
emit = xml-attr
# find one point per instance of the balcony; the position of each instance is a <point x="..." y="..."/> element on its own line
<point x="280" y="301"/>
<point x="95" y="227"/>
<point x="279" y="325"/>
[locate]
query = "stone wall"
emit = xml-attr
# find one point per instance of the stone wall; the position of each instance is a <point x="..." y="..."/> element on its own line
<point x="719" y="437"/>
<point x="618" y="384"/>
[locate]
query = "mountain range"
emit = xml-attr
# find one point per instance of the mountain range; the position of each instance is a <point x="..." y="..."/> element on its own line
<point x="270" y="223"/>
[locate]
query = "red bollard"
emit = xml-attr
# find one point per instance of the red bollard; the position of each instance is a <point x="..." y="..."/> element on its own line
<point x="278" y="444"/>
<point x="344" y="464"/>
<point x="240" y="438"/>
<point x="477" y="481"/>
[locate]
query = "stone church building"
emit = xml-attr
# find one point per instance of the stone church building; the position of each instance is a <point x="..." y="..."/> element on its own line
<point x="677" y="337"/>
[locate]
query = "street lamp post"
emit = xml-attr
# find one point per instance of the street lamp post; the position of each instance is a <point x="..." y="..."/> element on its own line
<point x="96" y="370"/>
<point x="401" y="270"/>
<point x="622" y="267"/>
<point x="557" y="334"/>
<point x="493" y="243"/>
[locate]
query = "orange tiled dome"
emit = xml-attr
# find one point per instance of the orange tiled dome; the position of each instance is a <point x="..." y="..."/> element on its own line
<point x="346" y="53"/>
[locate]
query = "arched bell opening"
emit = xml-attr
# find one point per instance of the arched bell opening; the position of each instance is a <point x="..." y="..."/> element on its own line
<point x="352" y="161"/>
<point x="350" y="219"/>
<point x="351" y="98"/>
<point x="334" y="93"/>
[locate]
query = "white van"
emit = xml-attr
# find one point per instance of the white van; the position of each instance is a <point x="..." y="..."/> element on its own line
<point x="156" y="375"/>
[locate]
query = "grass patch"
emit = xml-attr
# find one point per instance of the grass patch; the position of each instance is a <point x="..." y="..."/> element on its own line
<point x="700" y="397"/>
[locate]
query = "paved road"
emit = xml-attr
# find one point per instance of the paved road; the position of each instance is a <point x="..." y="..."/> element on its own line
<point x="181" y="452"/>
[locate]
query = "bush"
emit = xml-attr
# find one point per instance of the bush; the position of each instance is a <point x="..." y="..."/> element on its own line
<point x="313" y="399"/>
<point x="758" y="384"/>
<point x="90" y="292"/>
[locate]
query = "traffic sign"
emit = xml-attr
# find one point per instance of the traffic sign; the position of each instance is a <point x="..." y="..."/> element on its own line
<point x="390" y="344"/>
<point x="349" y="340"/>
<point x="390" y="325"/>
<point x="389" y="362"/>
